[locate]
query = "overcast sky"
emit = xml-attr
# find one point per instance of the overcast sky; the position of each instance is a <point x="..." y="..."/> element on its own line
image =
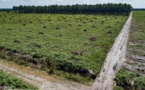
<point x="11" y="3"/>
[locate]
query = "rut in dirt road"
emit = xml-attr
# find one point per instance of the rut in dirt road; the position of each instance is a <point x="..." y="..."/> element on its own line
<point x="114" y="60"/>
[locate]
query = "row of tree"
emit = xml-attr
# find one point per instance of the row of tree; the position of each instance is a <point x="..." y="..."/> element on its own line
<point x="5" y="9"/>
<point x="123" y="9"/>
<point x="139" y="9"/>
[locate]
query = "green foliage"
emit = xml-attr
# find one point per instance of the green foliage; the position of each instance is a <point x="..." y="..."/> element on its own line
<point x="72" y="43"/>
<point x="74" y="77"/>
<point x="130" y="80"/>
<point x="110" y="8"/>
<point x="138" y="9"/>
<point x="13" y="83"/>
<point x="118" y="88"/>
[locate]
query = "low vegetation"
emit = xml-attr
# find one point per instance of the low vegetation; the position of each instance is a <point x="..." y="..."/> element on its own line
<point x="127" y="80"/>
<point x="76" y="44"/>
<point x="10" y="82"/>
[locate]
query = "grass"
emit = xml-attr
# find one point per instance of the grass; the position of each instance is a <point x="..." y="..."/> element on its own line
<point x="13" y="83"/>
<point x="75" y="44"/>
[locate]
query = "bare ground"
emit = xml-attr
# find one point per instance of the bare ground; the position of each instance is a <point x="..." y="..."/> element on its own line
<point x="114" y="60"/>
<point x="42" y="83"/>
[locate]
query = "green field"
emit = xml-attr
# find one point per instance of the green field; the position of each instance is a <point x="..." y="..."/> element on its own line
<point x="75" y="43"/>
<point x="13" y="83"/>
<point x="133" y="78"/>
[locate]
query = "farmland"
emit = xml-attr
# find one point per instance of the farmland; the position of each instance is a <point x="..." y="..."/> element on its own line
<point x="55" y="43"/>
<point x="131" y="76"/>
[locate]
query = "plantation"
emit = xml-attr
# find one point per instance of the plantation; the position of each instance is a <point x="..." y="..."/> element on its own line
<point x="13" y="83"/>
<point x="75" y="43"/>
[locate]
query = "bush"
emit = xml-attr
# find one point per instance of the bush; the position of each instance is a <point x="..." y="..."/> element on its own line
<point x="130" y="80"/>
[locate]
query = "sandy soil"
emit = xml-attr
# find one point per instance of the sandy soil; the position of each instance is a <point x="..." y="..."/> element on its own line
<point x="114" y="60"/>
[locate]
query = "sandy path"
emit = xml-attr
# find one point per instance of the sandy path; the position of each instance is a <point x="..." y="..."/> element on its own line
<point x="42" y="83"/>
<point x="114" y="60"/>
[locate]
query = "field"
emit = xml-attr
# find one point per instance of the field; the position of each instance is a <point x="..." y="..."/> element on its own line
<point x="76" y="44"/>
<point x="131" y="77"/>
<point x="13" y="83"/>
<point x="137" y="34"/>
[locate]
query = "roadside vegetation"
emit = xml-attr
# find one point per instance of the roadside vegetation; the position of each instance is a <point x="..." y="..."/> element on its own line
<point x="132" y="76"/>
<point x="57" y="43"/>
<point x="10" y="82"/>
<point x="128" y="80"/>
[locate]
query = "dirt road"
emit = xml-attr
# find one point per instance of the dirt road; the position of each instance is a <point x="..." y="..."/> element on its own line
<point x="114" y="60"/>
<point x="42" y="83"/>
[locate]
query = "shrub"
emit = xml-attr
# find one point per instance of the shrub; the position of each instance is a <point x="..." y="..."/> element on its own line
<point x="130" y="80"/>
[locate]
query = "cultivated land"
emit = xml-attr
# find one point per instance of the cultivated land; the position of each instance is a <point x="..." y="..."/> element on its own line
<point x="76" y="44"/>
<point x="131" y="76"/>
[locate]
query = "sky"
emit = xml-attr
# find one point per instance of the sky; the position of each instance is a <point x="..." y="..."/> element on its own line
<point x="11" y="3"/>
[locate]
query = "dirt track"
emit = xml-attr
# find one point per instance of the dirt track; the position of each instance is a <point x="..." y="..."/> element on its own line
<point x="42" y="83"/>
<point x="114" y="60"/>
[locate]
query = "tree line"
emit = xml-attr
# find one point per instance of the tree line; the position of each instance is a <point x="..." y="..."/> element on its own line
<point x="139" y="9"/>
<point x="5" y="9"/>
<point x="110" y="8"/>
